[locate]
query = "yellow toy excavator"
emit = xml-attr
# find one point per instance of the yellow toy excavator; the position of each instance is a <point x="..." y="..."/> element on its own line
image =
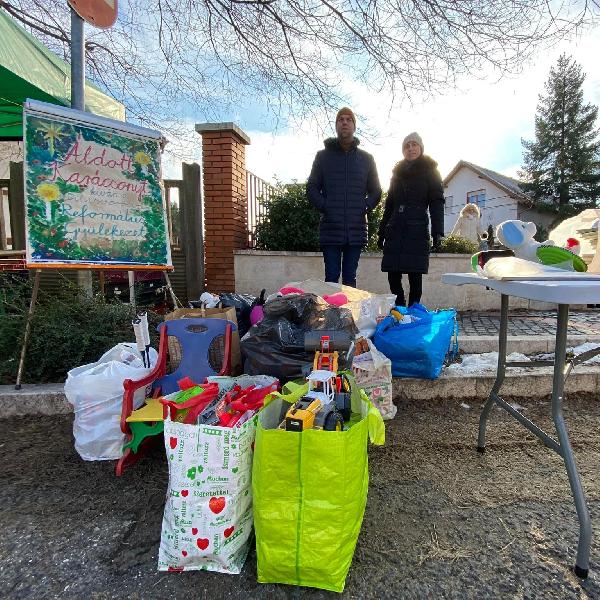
<point x="326" y="344"/>
<point x="319" y="409"/>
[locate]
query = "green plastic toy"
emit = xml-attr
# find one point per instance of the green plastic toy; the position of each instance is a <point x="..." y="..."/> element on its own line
<point x="148" y="420"/>
<point x="554" y="255"/>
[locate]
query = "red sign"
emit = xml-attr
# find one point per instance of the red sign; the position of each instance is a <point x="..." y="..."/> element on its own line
<point x="99" y="13"/>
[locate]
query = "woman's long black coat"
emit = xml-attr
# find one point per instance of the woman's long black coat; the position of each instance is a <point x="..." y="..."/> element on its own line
<point x="416" y="189"/>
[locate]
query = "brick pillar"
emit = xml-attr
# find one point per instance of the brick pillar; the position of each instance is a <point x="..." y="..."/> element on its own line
<point x="225" y="205"/>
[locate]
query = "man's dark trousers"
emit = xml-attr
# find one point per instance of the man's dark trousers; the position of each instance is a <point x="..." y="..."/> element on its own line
<point x="342" y="259"/>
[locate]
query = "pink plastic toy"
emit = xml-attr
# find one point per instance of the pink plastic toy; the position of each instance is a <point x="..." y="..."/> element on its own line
<point x="290" y="290"/>
<point x="337" y="299"/>
<point x="257" y="313"/>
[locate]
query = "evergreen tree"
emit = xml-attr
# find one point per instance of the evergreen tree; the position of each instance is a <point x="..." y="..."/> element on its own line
<point x="562" y="165"/>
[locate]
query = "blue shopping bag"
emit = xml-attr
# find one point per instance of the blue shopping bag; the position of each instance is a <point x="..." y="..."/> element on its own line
<point x="418" y="349"/>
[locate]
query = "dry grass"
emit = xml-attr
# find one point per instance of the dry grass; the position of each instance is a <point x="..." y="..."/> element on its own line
<point x="436" y="550"/>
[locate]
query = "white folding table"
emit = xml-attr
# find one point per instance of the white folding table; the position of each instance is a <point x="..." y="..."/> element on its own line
<point x="562" y="292"/>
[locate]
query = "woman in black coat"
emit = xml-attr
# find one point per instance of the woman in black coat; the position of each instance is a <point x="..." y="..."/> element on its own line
<point x="416" y="195"/>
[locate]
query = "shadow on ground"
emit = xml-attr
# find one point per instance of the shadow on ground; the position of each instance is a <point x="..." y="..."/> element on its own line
<point x="441" y="522"/>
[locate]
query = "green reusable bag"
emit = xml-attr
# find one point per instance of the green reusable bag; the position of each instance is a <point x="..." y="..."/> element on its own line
<point x="309" y="493"/>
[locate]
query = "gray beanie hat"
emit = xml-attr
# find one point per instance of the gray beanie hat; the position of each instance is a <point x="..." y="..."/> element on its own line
<point x="414" y="137"/>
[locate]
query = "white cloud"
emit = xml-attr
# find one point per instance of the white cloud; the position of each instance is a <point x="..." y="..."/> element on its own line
<point x="284" y="156"/>
<point x="483" y="122"/>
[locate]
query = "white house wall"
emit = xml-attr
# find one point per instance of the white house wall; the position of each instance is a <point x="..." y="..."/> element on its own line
<point x="498" y="205"/>
<point x="546" y="220"/>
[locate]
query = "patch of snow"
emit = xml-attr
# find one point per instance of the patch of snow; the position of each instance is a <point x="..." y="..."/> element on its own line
<point x="481" y="363"/>
<point x="595" y="360"/>
<point x="584" y="348"/>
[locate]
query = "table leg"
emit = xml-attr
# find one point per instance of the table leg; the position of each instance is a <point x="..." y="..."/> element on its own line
<point x="500" y="372"/>
<point x="585" y="527"/>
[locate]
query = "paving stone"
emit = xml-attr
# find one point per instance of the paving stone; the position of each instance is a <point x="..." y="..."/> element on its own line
<point x="531" y="323"/>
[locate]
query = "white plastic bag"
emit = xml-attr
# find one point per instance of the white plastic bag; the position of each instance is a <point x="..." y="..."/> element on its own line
<point x="328" y="288"/>
<point x="373" y="373"/>
<point x="511" y="267"/>
<point x="96" y="394"/>
<point x="368" y="311"/>
<point x="207" y="523"/>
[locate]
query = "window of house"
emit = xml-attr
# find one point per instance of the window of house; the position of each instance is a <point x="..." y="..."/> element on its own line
<point x="476" y="197"/>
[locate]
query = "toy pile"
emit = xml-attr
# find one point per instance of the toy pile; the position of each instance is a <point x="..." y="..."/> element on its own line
<point x="526" y="257"/>
<point x="284" y="443"/>
<point x="210" y="405"/>
<point x="326" y="404"/>
<point x="209" y="433"/>
<point x="225" y="440"/>
<point x="327" y="484"/>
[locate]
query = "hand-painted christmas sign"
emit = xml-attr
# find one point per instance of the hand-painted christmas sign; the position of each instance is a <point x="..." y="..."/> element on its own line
<point x="93" y="192"/>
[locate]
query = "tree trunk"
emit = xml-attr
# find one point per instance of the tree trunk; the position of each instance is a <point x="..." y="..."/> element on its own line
<point x="563" y="196"/>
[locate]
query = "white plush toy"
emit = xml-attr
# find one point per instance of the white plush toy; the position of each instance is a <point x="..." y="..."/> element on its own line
<point x="518" y="236"/>
<point x="468" y="224"/>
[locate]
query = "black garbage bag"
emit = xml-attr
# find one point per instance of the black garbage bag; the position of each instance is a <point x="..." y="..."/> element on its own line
<point x="275" y="346"/>
<point x="243" y="304"/>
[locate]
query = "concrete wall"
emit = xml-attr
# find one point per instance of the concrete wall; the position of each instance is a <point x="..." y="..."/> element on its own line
<point x="258" y="269"/>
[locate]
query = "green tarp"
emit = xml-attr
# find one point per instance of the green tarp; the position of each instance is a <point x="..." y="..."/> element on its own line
<point x="29" y="70"/>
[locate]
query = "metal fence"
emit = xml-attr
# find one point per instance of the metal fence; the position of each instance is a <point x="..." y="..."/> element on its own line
<point x="258" y="193"/>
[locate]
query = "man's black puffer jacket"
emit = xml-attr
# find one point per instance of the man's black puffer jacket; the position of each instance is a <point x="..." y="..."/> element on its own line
<point x="343" y="186"/>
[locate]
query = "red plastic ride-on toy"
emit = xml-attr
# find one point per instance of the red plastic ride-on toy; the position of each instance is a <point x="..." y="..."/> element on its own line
<point x="203" y="342"/>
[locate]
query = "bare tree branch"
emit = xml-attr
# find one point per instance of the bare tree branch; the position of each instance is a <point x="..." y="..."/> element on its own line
<point x="298" y="57"/>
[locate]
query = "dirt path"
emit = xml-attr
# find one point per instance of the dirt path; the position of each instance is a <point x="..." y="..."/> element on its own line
<point x="441" y="522"/>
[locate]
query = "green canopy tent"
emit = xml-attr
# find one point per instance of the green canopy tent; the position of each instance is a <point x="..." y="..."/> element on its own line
<point x="30" y="70"/>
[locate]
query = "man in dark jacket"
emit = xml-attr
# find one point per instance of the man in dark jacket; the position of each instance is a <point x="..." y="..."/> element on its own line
<point x="343" y="186"/>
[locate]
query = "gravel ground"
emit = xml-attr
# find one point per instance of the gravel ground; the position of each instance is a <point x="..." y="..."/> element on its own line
<point x="441" y="522"/>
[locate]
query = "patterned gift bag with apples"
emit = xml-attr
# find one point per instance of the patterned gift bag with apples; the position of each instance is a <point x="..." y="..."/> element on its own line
<point x="207" y="523"/>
